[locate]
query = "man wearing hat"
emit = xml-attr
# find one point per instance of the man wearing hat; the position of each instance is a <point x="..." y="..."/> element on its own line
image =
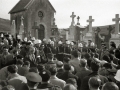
<point x="33" y="79"/>
<point x="45" y="84"/>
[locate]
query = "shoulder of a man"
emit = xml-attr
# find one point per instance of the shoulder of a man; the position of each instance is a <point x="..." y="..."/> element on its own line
<point x="84" y="84"/>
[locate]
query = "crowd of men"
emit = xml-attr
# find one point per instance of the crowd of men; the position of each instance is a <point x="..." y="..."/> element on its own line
<point x="55" y="65"/>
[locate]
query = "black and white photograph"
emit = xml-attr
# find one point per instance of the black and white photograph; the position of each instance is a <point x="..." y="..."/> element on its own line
<point x="59" y="44"/>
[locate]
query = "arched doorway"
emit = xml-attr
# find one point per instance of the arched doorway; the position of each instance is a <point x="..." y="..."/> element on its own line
<point x="41" y="32"/>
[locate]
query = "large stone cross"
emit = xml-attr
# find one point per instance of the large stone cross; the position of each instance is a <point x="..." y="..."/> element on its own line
<point x="90" y="23"/>
<point x="117" y="19"/>
<point x="73" y="16"/>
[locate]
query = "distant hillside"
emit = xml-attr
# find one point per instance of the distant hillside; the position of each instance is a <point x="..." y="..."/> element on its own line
<point x="4" y="25"/>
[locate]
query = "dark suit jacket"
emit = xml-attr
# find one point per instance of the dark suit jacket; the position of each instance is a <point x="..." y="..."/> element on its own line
<point x="81" y="74"/>
<point x="66" y="75"/>
<point x="84" y="84"/>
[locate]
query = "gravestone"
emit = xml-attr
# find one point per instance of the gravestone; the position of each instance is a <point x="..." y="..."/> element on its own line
<point x="71" y="35"/>
<point x="115" y="37"/>
<point x="89" y="35"/>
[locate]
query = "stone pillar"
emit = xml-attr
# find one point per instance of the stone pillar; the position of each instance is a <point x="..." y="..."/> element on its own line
<point x="36" y="33"/>
<point x="67" y="34"/>
<point x="13" y="28"/>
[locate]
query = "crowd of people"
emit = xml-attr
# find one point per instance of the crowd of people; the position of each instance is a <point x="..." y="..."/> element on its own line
<point x="33" y="64"/>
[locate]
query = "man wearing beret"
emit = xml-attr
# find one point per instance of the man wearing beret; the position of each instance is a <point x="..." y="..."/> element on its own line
<point x="33" y="79"/>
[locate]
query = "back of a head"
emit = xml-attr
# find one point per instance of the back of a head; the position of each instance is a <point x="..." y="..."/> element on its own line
<point x="53" y="70"/>
<point x="83" y="62"/>
<point x="110" y="86"/>
<point x="45" y="74"/>
<point x="71" y="81"/>
<point x="12" y="69"/>
<point x="59" y="64"/>
<point x="87" y="56"/>
<point x="106" y="58"/>
<point x="66" y="59"/>
<point x="67" y="67"/>
<point x="69" y="87"/>
<point x="41" y="67"/>
<point x="19" y="62"/>
<point x="26" y="63"/>
<point x="75" y="53"/>
<point x="95" y="66"/>
<point x="94" y="83"/>
<point x="33" y="69"/>
<point x="50" y="56"/>
<point x="19" y="57"/>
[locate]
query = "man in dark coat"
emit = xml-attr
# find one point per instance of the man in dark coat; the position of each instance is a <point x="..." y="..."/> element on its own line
<point x="60" y="50"/>
<point x="95" y="67"/>
<point x="67" y="74"/>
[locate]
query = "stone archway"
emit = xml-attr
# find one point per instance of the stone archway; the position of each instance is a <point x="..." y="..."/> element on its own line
<point x="41" y="32"/>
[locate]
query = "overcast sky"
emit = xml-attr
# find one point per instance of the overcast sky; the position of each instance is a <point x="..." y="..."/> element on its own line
<point x="102" y="11"/>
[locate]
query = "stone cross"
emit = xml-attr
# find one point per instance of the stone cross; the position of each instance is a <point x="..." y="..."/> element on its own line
<point x="78" y="18"/>
<point x="73" y="16"/>
<point x="90" y="23"/>
<point x="117" y="19"/>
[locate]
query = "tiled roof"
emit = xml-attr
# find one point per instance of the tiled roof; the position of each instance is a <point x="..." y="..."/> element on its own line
<point x="21" y="6"/>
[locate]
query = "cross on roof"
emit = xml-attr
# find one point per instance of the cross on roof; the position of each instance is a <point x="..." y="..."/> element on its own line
<point x="73" y="16"/>
<point x="90" y="19"/>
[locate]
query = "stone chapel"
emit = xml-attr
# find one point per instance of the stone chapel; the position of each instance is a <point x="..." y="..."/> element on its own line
<point x="32" y="18"/>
